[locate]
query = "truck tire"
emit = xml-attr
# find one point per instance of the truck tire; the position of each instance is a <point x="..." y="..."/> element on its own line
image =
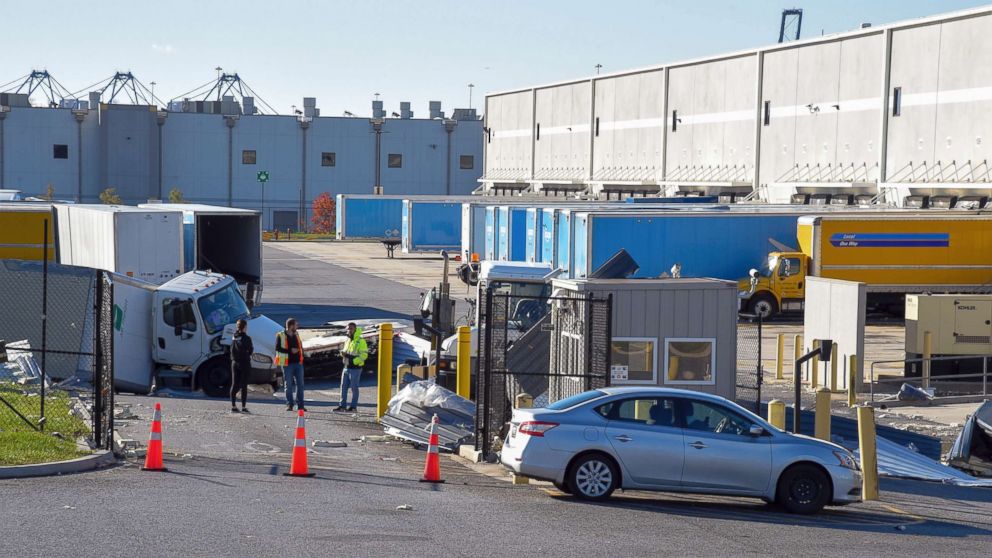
<point x="764" y="305"/>
<point x="214" y="377"/>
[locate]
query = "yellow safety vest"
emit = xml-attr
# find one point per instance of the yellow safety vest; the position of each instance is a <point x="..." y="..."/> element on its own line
<point x="282" y="348"/>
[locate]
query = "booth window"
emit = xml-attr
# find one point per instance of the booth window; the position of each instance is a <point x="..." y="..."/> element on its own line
<point x="633" y="360"/>
<point x="690" y="361"/>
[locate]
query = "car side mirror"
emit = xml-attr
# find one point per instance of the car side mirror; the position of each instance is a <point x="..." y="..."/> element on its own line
<point x="756" y="430"/>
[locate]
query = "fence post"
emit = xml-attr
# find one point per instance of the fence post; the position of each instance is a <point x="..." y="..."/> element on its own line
<point x="797" y="347"/>
<point x="779" y="364"/>
<point x="927" y="353"/>
<point x="869" y="457"/>
<point x="463" y="363"/>
<point x="523" y="401"/>
<point x="814" y="367"/>
<point x="852" y="382"/>
<point x="822" y="428"/>
<point x="385" y="387"/>
<point x="44" y="323"/>
<point x="833" y="368"/>
<point x="776" y="413"/>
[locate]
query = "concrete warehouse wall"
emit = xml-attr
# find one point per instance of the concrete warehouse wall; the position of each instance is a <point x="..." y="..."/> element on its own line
<point x="144" y="153"/>
<point x="835" y="310"/>
<point x="893" y="111"/>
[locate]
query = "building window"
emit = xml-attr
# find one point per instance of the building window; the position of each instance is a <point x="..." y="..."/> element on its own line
<point x="248" y="157"/>
<point x="634" y="360"/>
<point x="466" y="162"/>
<point x="328" y="159"/>
<point x="395" y="160"/>
<point x="60" y="151"/>
<point x="690" y="361"/>
<point x="768" y="113"/>
<point x="897" y="101"/>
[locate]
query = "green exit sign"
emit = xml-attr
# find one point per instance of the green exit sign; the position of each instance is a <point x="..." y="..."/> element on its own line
<point x="263" y="176"/>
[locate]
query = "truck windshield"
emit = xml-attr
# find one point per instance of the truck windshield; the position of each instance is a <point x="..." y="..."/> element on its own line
<point x="771" y="264"/>
<point x="222" y="307"/>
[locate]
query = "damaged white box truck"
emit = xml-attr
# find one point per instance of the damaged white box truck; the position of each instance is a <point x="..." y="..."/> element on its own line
<point x="180" y="332"/>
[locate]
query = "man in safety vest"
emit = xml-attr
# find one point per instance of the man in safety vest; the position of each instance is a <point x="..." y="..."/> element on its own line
<point x="354" y="354"/>
<point x="289" y="356"/>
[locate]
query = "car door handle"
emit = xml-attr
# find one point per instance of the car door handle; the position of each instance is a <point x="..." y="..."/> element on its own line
<point x="698" y="445"/>
<point x="623" y="438"/>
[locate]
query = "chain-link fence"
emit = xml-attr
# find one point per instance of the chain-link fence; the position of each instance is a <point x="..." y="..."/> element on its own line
<point x="749" y="373"/>
<point x="548" y="347"/>
<point x="56" y="328"/>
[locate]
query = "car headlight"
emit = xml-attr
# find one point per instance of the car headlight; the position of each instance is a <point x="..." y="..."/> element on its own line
<point x="847" y="460"/>
<point x="261" y="359"/>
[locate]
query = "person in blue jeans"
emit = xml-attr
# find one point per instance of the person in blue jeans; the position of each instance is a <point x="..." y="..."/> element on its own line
<point x="354" y="354"/>
<point x="289" y="356"/>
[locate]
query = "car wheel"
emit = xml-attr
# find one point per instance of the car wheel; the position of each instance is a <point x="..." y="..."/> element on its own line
<point x="764" y="305"/>
<point x="563" y="487"/>
<point x="593" y="477"/>
<point x="803" y="489"/>
<point x="215" y="378"/>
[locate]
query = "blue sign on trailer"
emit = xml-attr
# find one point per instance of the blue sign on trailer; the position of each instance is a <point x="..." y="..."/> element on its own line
<point x="722" y="245"/>
<point x="431" y="225"/>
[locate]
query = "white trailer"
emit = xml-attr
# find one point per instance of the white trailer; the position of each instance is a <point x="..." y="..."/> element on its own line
<point x="140" y="243"/>
<point x="225" y="240"/>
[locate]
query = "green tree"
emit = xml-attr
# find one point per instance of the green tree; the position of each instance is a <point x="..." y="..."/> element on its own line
<point x="176" y="196"/>
<point x="110" y="197"/>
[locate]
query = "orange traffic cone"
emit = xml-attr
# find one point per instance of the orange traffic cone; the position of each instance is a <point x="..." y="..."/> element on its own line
<point x="298" y="467"/>
<point x="153" y="457"/>
<point x="432" y="468"/>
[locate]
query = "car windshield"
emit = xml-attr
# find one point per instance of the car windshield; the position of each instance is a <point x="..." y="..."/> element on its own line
<point x="222" y="307"/>
<point x="574" y="400"/>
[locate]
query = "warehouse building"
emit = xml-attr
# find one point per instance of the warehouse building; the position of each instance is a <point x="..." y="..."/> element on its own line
<point x="214" y="151"/>
<point x="897" y="114"/>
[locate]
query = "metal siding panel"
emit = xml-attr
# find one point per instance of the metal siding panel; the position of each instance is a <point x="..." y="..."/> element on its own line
<point x="914" y="68"/>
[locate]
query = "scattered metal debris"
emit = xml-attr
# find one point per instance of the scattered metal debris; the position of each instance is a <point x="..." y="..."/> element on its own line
<point x="328" y="444"/>
<point x="972" y="451"/>
<point x="404" y="507"/>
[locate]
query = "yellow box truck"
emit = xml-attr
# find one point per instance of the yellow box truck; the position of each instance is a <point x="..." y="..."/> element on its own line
<point x="22" y="231"/>
<point x="893" y="254"/>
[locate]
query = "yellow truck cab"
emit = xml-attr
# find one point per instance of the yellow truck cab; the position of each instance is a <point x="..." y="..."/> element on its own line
<point x="779" y="286"/>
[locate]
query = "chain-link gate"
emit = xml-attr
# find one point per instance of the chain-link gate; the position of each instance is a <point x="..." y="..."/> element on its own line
<point x="56" y="330"/>
<point x="548" y="347"/>
<point x="749" y="373"/>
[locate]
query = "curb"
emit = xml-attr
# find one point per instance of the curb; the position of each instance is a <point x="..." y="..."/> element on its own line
<point x="99" y="459"/>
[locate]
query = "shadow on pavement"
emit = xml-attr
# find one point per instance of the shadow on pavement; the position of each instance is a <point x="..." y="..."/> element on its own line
<point x="849" y="519"/>
<point x="312" y="315"/>
<point x="938" y="490"/>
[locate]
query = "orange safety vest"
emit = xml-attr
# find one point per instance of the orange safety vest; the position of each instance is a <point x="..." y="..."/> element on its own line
<point x="282" y="348"/>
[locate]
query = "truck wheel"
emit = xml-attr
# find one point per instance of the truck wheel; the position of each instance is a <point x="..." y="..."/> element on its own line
<point x="214" y="377"/>
<point x="764" y="305"/>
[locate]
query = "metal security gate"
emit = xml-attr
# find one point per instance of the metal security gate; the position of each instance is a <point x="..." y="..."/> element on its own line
<point x="548" y="347"/>
<point x="749" y="373"/>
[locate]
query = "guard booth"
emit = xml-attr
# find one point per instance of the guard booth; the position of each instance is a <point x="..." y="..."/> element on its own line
<point x="678" y="333"/>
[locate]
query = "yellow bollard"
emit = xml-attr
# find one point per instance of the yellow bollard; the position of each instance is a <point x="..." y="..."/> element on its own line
<point x="797" y="348"/>
<point x="523" y="401"/>
<point x="463" y="365"/>
<point x="776" y="413"/>
<point x="833" y="368"/>
<point x="852" y="381"/>
<point x="822" y="430"/>
<point x="385" y="386"/>
<point x="869" y="457"/>
<point x="814" y="367"/>
<point x="927" y="353"/>
<point x="779" y="364"/>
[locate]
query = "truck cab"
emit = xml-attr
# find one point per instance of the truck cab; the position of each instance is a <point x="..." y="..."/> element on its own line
<point x="193" y="322"/>
<point x="779" y="286"/>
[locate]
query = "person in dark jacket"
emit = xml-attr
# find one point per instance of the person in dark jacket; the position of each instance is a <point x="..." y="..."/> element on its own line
<point x="241" y="351"/>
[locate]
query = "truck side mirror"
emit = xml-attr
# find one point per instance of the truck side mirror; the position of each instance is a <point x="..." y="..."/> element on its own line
<point x="753" y="273"/>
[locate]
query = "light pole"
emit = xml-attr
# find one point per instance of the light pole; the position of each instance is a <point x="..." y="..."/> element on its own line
<point x="470" y="87"/>
<point x="153" y="91"/>
<point x="598" y="68"/>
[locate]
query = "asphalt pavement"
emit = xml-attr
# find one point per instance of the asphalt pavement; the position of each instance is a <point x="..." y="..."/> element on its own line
<point x="225" y="495"/>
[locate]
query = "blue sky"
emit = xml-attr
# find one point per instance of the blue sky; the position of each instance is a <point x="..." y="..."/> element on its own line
<point x="344" y="52"/>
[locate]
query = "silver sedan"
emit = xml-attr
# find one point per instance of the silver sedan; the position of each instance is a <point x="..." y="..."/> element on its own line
<point x="675" y="440"/>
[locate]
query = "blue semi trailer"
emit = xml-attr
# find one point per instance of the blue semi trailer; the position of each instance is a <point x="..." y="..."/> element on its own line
<point x="431" y="226"/>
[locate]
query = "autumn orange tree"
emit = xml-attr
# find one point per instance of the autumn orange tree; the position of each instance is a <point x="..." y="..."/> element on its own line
<point x="323" y="214"/>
